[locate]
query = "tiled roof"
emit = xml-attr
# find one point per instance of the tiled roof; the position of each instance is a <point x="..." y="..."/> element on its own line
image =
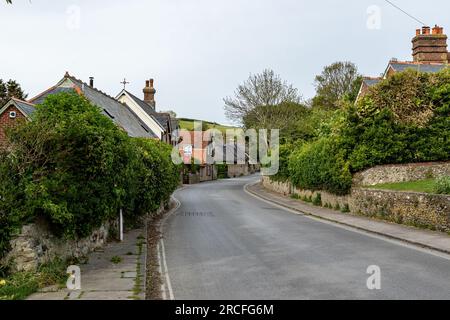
<point x="120" y="113"/>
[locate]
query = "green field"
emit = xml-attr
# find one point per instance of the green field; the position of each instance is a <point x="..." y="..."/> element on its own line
<point x="427" y="185"/>
<point x="188" y="124"/>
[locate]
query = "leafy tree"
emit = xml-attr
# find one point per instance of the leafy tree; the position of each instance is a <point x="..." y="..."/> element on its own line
<point x="283" y="117"/>
<point x="10" y="89"/>
<point x="260" y="90"/>
<point x="337" y="81"/>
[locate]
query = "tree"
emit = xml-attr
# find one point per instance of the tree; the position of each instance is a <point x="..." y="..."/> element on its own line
<point x="283" y="117"/>
<point x="10" y="89"/>
<point x="337" y="81"/>
<point x="260" y="90"/>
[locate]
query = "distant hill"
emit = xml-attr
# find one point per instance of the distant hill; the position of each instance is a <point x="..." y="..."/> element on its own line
<point x="188" y="124"/>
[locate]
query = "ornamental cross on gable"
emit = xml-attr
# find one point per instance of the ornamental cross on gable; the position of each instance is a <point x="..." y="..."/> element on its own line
<point x="124" y="82"/>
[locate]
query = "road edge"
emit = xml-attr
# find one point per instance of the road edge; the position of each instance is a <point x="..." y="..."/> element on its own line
<point x="309" y="214"/>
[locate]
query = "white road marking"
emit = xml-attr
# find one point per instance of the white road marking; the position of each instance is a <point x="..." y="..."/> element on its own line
<point x="350" y="228"/>
<point x="162" y="258"/>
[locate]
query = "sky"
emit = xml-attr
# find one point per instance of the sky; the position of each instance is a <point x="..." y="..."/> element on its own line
<point x="199" y="51"/>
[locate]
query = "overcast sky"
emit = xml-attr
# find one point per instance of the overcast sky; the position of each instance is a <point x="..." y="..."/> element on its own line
<point x="198" y="51"/>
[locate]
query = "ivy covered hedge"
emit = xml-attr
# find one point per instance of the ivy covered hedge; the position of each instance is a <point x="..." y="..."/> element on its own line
<point x="403" y="119"/>
<point x="74" y="167"/>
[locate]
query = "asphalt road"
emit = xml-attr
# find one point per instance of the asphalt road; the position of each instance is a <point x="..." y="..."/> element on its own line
<point x="223" y="243"/>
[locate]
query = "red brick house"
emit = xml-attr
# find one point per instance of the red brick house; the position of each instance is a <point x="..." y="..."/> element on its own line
<point x="12" y="113"/>
<point x="429" y="52"/>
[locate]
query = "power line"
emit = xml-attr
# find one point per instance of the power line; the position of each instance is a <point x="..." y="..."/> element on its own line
<point x="409" y="15"/>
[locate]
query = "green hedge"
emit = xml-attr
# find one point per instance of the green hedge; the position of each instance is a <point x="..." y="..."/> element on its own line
<point x="406" y="118"/>
<point x="320" y="166"/>
<point x="74" y="167"/>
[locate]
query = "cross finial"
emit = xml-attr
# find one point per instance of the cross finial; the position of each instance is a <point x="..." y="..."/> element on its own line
<point x="124" y="82"/>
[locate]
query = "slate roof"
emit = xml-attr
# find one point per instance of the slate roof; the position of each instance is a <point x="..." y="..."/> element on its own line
<point x="422" y="67"/>
<point x="146" y="107"/>
<point x="371" y="81"/>
<point x="26" y="107"/>
<point x="163" y="119"/>
<point x="120" y="113"/>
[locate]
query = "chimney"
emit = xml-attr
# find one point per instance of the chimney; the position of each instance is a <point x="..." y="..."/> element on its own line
<point x="91" y="82"/>
<point x="149" y="93"/>
<point x="430" y="45"/>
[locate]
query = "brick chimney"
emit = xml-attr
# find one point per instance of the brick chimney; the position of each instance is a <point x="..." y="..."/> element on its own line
<point x="149" y="93"/>
<point x="430" y="45"/>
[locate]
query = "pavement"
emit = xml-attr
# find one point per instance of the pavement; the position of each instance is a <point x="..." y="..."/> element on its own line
<point x="225" y="243"/>
<point x="101" y="279"/>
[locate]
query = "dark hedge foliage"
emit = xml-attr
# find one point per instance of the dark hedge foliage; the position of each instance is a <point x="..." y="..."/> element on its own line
<point x="75" y="168"/>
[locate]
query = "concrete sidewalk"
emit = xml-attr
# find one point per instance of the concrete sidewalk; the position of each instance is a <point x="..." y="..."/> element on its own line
<point x="101" y="279"/>
<point x="428" y="239"/>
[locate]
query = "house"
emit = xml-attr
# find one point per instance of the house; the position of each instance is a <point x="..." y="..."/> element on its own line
<point x="237" y="162"/>
<point x="160" y="123"/>
<point x="123" y="116"/>
<point x="429" y="52"/>
<point x="12" y="113"/>
<point x="196" y="148"/>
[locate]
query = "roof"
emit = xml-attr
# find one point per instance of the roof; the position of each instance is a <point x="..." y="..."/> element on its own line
<point x="163" y="119"/>
<point x="399" y="66"/>
<point x="371" y="81"/>
<point x="119" y="113"/>
<point x="24" y="107"/>
<point x="160" y="117"/>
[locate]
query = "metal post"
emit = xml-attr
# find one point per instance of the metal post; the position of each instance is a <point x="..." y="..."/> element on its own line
<point x="121" y="225"/>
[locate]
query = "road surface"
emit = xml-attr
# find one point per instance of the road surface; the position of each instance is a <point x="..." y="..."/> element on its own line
<point x="223" y="243"/>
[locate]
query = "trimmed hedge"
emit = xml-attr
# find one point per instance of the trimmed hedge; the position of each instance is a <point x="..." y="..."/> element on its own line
<point x="404" y="119"/>
<point x="74" y="167"/>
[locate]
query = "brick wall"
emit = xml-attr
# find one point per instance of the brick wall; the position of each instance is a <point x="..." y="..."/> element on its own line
<point x="6" y="121"/>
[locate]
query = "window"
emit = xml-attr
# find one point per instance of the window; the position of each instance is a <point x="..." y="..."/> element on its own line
<point x="12" y="114"/>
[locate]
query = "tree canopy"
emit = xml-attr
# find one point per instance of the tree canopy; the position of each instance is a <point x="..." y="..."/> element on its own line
<point x="259" y="90"/>
<point x="10" y="89"/>
<point x="337" y="81"/>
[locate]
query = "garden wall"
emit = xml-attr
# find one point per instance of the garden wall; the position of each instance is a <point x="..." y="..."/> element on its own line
<point x="423" y="210"/>
<point x="412" y="208"/>
<point x="401" y="172"/>
<point x="36" y="245"/>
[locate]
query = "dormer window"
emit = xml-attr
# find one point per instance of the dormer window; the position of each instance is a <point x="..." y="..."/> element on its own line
<point x="12" y="114"/>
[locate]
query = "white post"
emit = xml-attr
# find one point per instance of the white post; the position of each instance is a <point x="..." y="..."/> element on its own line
<point x="121" y="225"/>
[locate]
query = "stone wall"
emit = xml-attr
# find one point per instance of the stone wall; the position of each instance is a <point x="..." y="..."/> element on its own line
<point x="36" y="245"/>
<point x="401" y="172"/>
<point x="286" y="188"/>
<point x="412" y="208"/>
<point x="423" y="210"/>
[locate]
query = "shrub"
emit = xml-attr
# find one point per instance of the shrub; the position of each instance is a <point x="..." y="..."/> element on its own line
<point x="74" y="167"/>
<point x="317" y="200"/>
<point x="442" y="185"/>
<point x="320" y="165"/>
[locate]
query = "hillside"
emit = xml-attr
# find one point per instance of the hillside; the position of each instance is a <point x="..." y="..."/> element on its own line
<point x="188" y="124"/>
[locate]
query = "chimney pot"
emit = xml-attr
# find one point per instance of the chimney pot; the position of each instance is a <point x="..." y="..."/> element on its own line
<point x="417" y="32"/>
<point x="151" y="83"/>
<point x="91" y="82"/>
<point x="147" y="83"/>
<point x="425" y="30"/>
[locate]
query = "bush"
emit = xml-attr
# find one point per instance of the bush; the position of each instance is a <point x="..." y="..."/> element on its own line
<point x="74" y="167"/>
<point x="320" y="165"/>
<point x="442" y="185"/>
